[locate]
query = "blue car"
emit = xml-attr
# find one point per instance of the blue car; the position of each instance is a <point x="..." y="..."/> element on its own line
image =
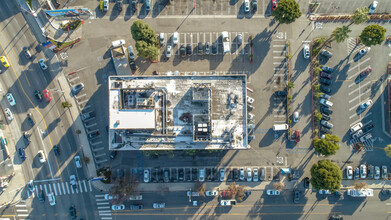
<point x="327" y="69"/>
<point x="357" y="173"/>
<point x="22" y="154"/>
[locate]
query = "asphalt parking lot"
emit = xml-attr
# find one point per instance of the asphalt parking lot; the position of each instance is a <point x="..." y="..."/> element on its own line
<point x="348" y="6"/>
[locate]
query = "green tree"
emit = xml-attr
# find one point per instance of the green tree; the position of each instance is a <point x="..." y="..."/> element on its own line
<point x="146" y="50"/>
<point x="388" y="150"/>
<point x="360" y="15"/>
<point x="290" y="85"/>
<point x="317" y="115"/>
<point x="340" y="34"/>
<point x="141" y="31"/>
<point x="326" y="175"/>
<point x="327" y="146"/>
<point x="373" y="35"/>
<point x="287" y="11"/>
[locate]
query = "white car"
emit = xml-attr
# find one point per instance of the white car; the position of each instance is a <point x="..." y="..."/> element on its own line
<point x="306" y="51"/>
<point x="249" y="175"/>
<point x="324" y="191"/>
<point x="11" y="99"/>
<point x="250" y="116"/>
<point x="246" y="6"/>
<point x="325" y="96"/>
<point x="42" y="64"/>
<point x="41" y="156"/>
<point x="250" y="100"/>
<point x="211" y="193"/>
<point x="118" y="207"/>
<point x="364" y="51"/>
<point x="105" y="5"/>
<point x="366" y="104"/>
<point x="108" y="197"/>
<point x="363" y="171"/>
<point x="326" y="102"/>
<point x="241" y="174"/>
<point x="73" y="181"/>
<point x="373" y="7"/>
<point x="9" y="114"/>
<point x="255" y="176"/>
<point x="349" y="172"/>
<point x="355" y="127"/>
<point x="201" y="175"/>
<point x="295" y="116"/>
<point x="78" y="161"/>
<point x="51" y="199"/>
<point x="272" y="192"/>
<point x="146" y="176"/>
<point x="175" y="38"/>
<point x="159" y="205"/>
<point x="168" y="51"/>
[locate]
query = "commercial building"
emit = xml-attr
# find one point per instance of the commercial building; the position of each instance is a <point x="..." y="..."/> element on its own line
<point x="177" y="112"/>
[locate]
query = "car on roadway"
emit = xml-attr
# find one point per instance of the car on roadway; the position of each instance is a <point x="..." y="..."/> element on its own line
<point x="274" y="5"/>
<point x="182" y="51"/>
<point x="146" y="176"/>
<point x="241" y="174"/>
<point x="109" y="197"/>
<point x="73" y="182"/>
<point x="27" y="53"/>
<point x="130" y="52"/>
<point x="38" y="95"/>
<point x="147" y="5"/>
<point x="325" y="89"/>
<point x="377" y="173"/>
<point x="273" y="192"/>
<point x="46" y="95"/>
<point x="327" y="69"/>
<point x="214" y="48"/>
<point x="9" y="114"/>
<point x="249" y="175"/>
<point x="357" y="173"/>
<point x="363" y="171"/>
<point x="306" y="182"/>
<point x="325" y="81"/>
<point x="326" y="102"/>
<point x="326" y="53"/>
<point x="72" y="212"/>
<point x="41" y="156"/>
<point x="159" y="205"/>
<point x="326" y="75"/>
<point x="384" y="172"/>
<point x="42" y="64"/>
<point x="326" y="110"/>
<point x="373" y="7"/>
<point x="365" y="105"/>
<point x="211" y="193"/>
<point x="349" y="172"/>
<point x="296" y="136"/>
<point x="246" y="6"/>
<point x="56" y="149"/>
<point x="4" y="61"/>
<point x="51" y="198"/>
<point x="11" y="99"/>
<point x="118" y="207"/>
<point x="77" y="88"/>
<point x="222" y="174"/>
<point x="326" y="124"/>
<point x="296" y="198"/>
<point x="78" y="161"/>
<point x="306" y="51"/>
<point x="136" y="207"/>
<point x="207" y="48"/>
<point x="30" y="118"/>
<point x="324" y="192"/>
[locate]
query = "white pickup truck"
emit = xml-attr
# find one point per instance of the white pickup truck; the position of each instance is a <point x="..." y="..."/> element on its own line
<point x="360" y="192"/>
<point x="226" y="43"/>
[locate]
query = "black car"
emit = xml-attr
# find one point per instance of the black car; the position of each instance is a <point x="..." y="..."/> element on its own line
<point x="42" y="196"/>
<point x="38" y="95"/>
<point x="296" y="198"/>
<point x="325" y="81"/>
<point x="327" y="69"/>
<point x="367" y="128"/>
<point x="119" y="5"/>
<point x="200" y="49"/>
<point x="325" y="130"/>
<point x="113" y="155"/>
<point x="281" y="93"/>
<point x="207" y="48"/>
<point x="254" y="5"/>
<point x="56" y="149"/>
<point x="326" y="75"/>
<point x="72" y="212"/>
<point x="326" y="117"/>
<point x="180" y="174"/>
<point x="236" y="174"/>
<point x="326" y="111"/>
<point x="133" y="65"/>
<point x="182" y="51"/>
<point x="325" y="89"/>
<point x="30" y="119"/>
<point x="134" y="5"/>
<point x="189" y="51"/>
<point x="306" y="182"/>
<point x="166" y="176"/>
<point x="94" y="134"/>
<point x="214" y="48"/>
<point x="326" y="53"/>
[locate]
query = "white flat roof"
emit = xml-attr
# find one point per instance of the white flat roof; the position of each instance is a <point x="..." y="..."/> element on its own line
<point x="129" y="119"/>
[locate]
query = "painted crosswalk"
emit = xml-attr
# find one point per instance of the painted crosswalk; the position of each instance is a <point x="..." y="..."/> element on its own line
<point x="104" y="207"/>
<point x="61" y="188"/>
<point x="21" y="210"/>
<point x="368" y="144"/>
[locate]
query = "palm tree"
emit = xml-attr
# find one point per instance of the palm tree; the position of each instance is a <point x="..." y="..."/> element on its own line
<point x="340" y="34"/>
<point x="360" y="15"/>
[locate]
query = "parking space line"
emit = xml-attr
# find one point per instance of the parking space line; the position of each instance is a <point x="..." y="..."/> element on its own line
<point x="366" y="91"/>
<point x="355" y="106"/>
<point x="367" y="123"/>
<point x="355" y="90"/>
<point x="350" y="77"/>
<point x="63" y="187"/>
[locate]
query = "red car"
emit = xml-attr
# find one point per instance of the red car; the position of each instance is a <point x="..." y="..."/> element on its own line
<point x="365" y="72"/>
<point x="297" y="136"/>
<point x="274" y="4"/>
<point x="46" y="95"/>
<point x="326" y="75"/>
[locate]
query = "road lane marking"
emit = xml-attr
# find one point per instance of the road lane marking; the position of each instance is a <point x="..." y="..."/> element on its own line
<point x="80" y="186"/>
<point x="37" y="181"/>
<point x="55" y="189"/>
<point x="59" y="188"/>
<point x="67" y="188"/>
<point x="85" y="185"/>
<point x="46" y="189"/>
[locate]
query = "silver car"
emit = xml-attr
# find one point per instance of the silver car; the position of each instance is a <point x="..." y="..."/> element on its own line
<point x="241" y="174"/>
<point x="222" y="174"/>
<point x="146" y="176"/>
<point x="249" y="175"/>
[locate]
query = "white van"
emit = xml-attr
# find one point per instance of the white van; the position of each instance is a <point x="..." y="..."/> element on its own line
<point x="117" y="43"/>
<point x="355" y="127"/>
<point x="280" y="127"/>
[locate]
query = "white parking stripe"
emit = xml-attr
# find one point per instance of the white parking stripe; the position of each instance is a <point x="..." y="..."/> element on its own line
<point x="20" y="205"/>
<point x="67" y="188"/>
<point x="40" y="187"/>
<point x="355" y="106"/>
<point x="361" y="86"/>
<point x="46" y="189"/>
<point x="22" y="210"/>
<point x="63" y="188"/>
<point x="354" y="75"/>
<point x="36" y="189"/>
<point x="363" y="93"/>
<point x="85" y="186"/>
<point x="72" y="190"/>
<point x="50" y="188"/>
<point x="89" y="183"/>
<point x="59" y="188"/>
<point x="55" y="189"/>
<point x="80" y="187"/>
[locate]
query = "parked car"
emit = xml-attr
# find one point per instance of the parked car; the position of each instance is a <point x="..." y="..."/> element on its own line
<point x="281" y="93"/>
<point x="27" y="53"/>
<point x="306" y="182"/>
<point x="77" y="88"/>
<point x="136" y="207"/>
<point x="325" y="81"/>
<point x="200" y="49"/>
<point x="273" y="192"/>
<point x="325" y="130"/>
<point x="254" y="5"/>
<point x="182" y="51"/>
<point x="357" y="173"/>
<point x="326" y="124"/>
<point x="357" y="134"/>
<point x="239" y="39"/>
<point x="113" y="154"/>
<point x="146" y="176"/>
<point x="249" y="175"/>
<point x="326" y="102"/>
<point x="366" y="104"/>
<point x="46" y="95"/>
<point x="306" y="51"/>
<point x="41" y="156"/>
<point x="38" y="95"/>
<point x="355" y="128"/>
<point x="93" y="134"/>
<point x="166" y="177"/>
<point x="295" y="116"/>
<point x="325" y="89"/>
<point x="105" y="5"/>
<point x="168" y="51"/>
<point x="246" y="6"/>
<point x="326" y="117"/>
<point x="250" y="100"/>
<point x="147" y="5"/>
<point x="370" y="171"/>
<point x="324" y="192"/>
<point x="11" y="99"/>
<point x="297" y="136"/>
<point x="118" y="207"/>
<point x="274" y="5"/>
<point x="326" y="53"/>
<point x="296" y="198"/>
<point x="88" y="115"/>
<point x="365" y="73"/>
<point x="211" y="193"/>
<point x="189" y="51"/>
<point x="161" y="39"/>
<point x="222" y="174"/>
<point x="175" y="38"/>
<point x="384" y="172"/>
<point x="42" y="64"/>
<point x="377" y="173"/>
<point x="214" y="48"/>
<point x="241" y="174"/>
<point x="133" y="66"/>
<point x="207" y="48"/>
<point x="201" y="175"/>
<point x="326" y="75"/>
<point x="9" y="114"/>
<point x="367" y="128"/>
<point x="255" y="175"/>
<point x="363" y="171"/>
<point x="327" y="69"/>
<point x="325" y="96"/>
<point x="4" y="61"/>
<point x="326" y="110"/>
<point x="349" y="172"/>
<point x="373" y="7"/>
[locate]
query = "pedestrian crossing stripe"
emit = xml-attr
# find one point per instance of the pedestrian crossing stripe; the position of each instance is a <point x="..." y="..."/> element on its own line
<point x="62" y="188"/>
